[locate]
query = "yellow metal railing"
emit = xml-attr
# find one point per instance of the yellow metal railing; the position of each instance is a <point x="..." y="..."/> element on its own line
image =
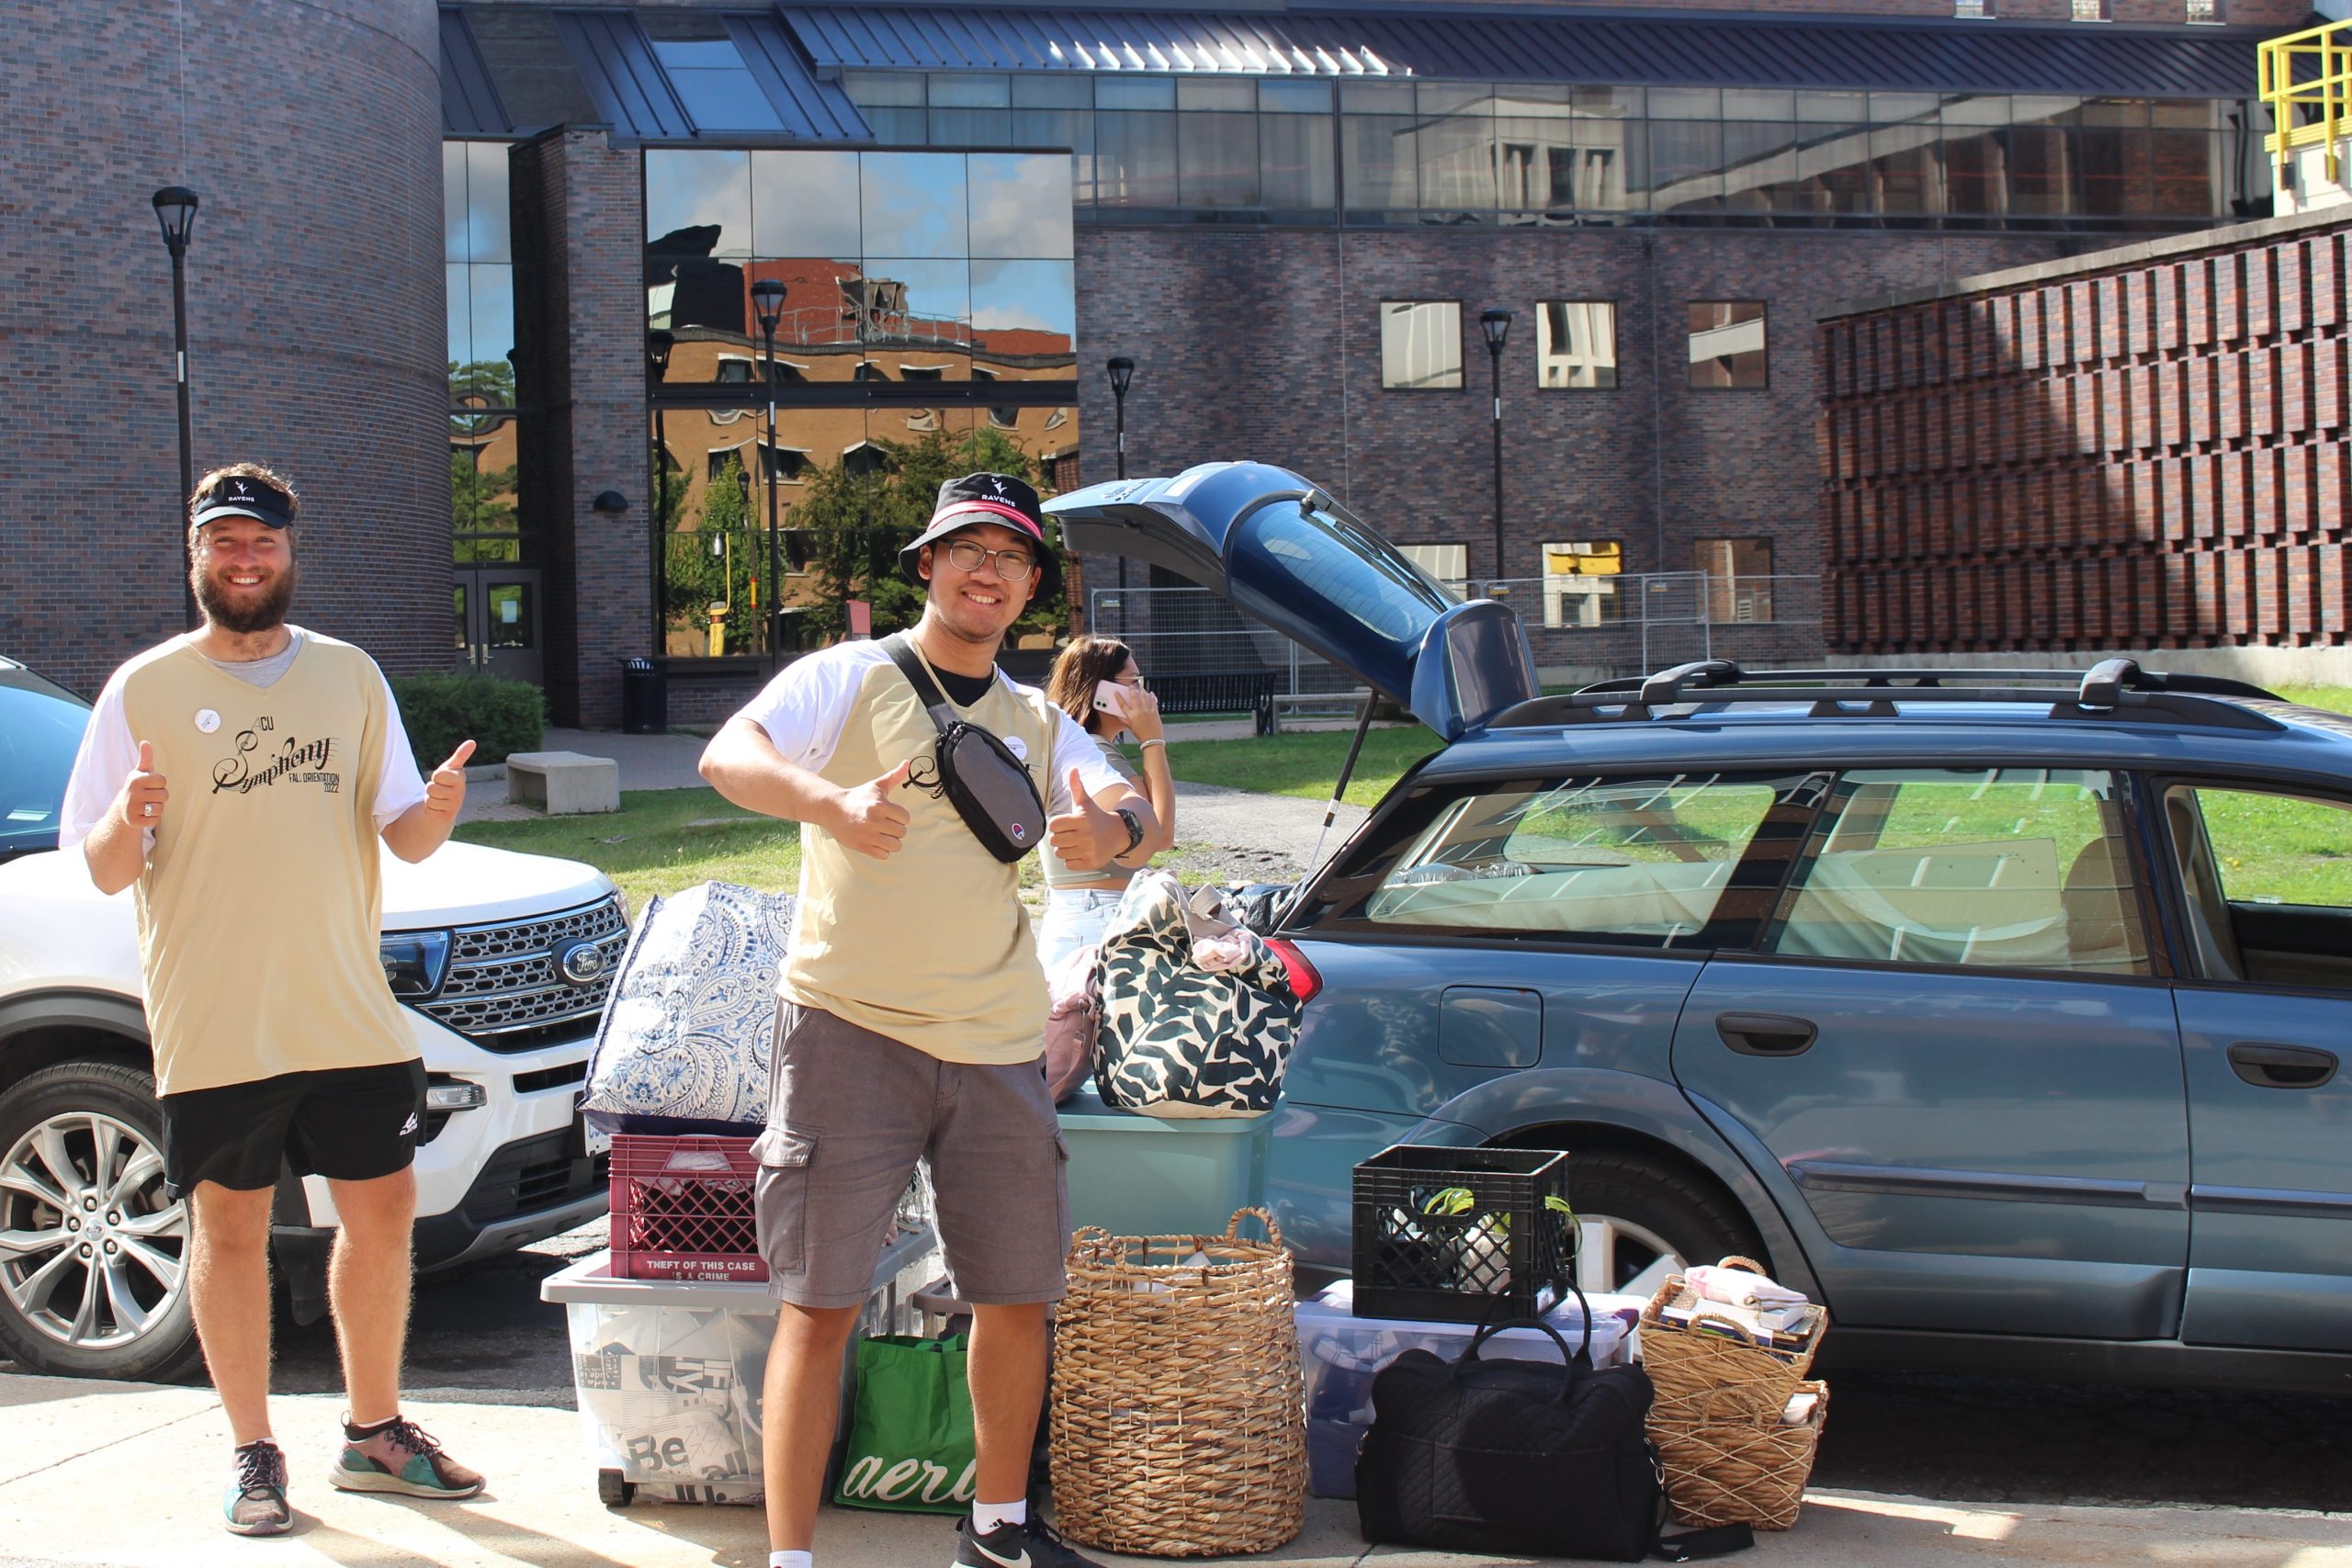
<point x="2323" y="92"/>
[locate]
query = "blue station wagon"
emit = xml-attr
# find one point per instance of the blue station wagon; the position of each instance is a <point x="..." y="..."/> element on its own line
<point x="2001" y="1010"/>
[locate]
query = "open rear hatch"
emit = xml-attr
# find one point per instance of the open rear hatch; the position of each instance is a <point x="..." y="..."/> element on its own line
<point x="1284" y="552"/>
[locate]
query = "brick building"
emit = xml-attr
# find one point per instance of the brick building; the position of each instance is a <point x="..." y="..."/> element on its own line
<point x="2143" y="449"/>
<point x="1290" y="220"/>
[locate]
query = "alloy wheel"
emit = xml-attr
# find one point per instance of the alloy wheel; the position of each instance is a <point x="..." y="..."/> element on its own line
<point x="1619" y="1257"/>
<point x="93" y="1252"/>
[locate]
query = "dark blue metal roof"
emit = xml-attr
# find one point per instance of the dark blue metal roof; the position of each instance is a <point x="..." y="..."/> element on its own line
<point x="1690" y="49"/>
<point x="814" y="110"/>
<point x="470" y="103"/>
<point x="617" y="65"/>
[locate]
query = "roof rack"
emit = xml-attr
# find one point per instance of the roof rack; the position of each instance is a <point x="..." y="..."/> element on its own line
<point x="2113" y="688"/>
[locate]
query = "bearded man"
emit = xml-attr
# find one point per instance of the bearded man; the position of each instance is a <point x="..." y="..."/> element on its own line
<point x="238" y="777"/>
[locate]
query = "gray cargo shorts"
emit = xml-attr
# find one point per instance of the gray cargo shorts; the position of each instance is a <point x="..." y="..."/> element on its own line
<point x="849" y="1114"/>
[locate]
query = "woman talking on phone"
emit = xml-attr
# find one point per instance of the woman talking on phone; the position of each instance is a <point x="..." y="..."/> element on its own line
<point x="1096" y="682"/>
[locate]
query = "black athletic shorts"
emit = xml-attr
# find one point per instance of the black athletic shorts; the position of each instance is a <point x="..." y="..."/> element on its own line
<point x="348" y="1124"/>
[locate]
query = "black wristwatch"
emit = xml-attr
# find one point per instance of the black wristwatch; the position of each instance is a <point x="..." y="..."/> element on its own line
<point x="1134" y="831"/>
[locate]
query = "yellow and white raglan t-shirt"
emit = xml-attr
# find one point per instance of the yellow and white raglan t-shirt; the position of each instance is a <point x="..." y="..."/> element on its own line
<point x="262" y="899"/>
<point x="930" y="946"/>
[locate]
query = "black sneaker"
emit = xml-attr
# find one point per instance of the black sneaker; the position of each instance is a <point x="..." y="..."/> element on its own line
<point x="1031" y="1545"/>
<point x="256" y="1501"/>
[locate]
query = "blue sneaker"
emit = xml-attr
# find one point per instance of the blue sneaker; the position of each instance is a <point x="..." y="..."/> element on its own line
<point x="256" y="1501"/>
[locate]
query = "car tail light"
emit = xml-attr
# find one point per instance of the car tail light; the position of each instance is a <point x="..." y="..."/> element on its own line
<point x="1303" y="981"/>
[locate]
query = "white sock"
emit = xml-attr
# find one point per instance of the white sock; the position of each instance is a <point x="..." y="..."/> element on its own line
<point x="792" y="1559"/>
<point x="987" y="1516"/>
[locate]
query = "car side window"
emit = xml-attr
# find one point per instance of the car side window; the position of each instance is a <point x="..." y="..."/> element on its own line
<point x="2007" y="868"/>
<point x="2266" y="878"/>
<point x="1651" y="862"/>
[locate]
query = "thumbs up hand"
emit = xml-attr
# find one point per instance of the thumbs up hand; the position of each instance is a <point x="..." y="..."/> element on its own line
<point x="1086" y="836"/>
<point x="445" y="792"/>
<point x="867" y="821"/>
<point x="141" y="803"/>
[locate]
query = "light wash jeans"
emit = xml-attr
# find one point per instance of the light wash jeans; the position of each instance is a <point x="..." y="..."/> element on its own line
<point x="1075" y="916"/>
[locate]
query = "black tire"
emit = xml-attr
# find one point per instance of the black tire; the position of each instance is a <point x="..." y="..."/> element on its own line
<point x="612" y="1491"/>
<point x="164" y="1348"/>
<point x="1695" y="1218"/>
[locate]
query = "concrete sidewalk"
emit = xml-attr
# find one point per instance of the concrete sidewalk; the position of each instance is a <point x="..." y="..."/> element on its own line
<point x="129" y="1473"/>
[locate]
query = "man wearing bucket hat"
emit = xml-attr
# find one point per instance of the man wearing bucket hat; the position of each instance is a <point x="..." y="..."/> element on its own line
<point x="239" y="776"/>
<point x="911" y="1007"/>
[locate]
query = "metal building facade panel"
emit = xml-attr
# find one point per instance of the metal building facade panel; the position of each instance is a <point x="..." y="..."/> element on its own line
<point x="469" y="101"/>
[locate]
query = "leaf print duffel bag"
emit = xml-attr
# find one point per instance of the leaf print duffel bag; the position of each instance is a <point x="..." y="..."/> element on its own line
<point x="1179" y="1039"/>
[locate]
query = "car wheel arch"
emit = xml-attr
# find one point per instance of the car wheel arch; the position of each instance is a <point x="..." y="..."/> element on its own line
<point x="38" y="1031"/>
<point x="1726" y="1178"/>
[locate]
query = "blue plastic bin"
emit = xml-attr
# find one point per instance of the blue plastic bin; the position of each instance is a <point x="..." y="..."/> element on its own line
<point x="1142" y="1176"/>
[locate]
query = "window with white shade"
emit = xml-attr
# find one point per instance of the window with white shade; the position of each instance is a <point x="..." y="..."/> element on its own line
<point x="1421" y="344"/>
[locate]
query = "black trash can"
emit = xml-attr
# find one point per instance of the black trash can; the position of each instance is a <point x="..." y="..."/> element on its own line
<point x="645" y="697"/>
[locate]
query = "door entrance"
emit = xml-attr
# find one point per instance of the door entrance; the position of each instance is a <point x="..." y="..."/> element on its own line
<point x="495" y="617"/>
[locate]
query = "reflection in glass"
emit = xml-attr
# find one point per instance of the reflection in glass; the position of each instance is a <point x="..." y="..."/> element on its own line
<point x="1727" y="343"/>
<point x="1739" y="578"/>
<point x="913" y="204"/>
<point x="1025" y="310"/>
<point x="1296" y="166"/>
<point x="1378" y="162"/>
<point x="493" y="290"/>
<point x="487" y="221"/>
<point x="453" y="238"/>
<point x="1020" y="206"/>
<point x="458" y="608"/>
<point x="697" y="202"/>
<point x="1421" y="344"/>
<point x="1217" y="159"/>
<point x="714" y="529"/>
<point x="512" y="618"/>
<point x="804" y="204"/>
<point x="1576" y="342"/>
<point x="485" y="517"/>
<point x="1457" y="162"/>
<point x="925" y="305"/>
<point x="1134" y="159"/>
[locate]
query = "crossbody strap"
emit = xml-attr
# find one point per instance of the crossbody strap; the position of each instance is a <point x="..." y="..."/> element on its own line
<point x="928" y="690"/>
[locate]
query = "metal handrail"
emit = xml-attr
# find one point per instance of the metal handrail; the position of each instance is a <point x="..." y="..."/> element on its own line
<point x="2330" y="44"/>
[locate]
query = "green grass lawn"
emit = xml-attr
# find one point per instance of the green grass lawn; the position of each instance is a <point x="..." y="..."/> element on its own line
<point x="1305" y="764"/>
<point x="661" y="841"/>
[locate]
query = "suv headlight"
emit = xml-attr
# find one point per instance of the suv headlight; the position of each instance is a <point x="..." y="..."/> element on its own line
<point x="414" y="962"/>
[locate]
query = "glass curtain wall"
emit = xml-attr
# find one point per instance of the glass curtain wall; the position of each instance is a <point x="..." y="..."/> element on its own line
<point x="479" y="266"/>
<point x="1238" y="149"/>
<point x="926" y="329"/>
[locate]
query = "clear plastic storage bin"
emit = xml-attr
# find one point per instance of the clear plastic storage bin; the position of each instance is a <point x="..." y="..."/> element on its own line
<point x="1340" y="1352"/>
<point x="668" y="1373"/>
<point x="1161" y="1176"/>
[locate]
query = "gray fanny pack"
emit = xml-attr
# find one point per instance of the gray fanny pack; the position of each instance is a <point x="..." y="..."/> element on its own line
<point x="989" y="788"/>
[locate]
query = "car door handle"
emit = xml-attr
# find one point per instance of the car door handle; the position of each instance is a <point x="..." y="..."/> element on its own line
<point x="2282" y="1067"/>
<point x="1765" y="1034"/>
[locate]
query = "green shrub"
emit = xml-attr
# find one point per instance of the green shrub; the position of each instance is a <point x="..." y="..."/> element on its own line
<point x="499" y="716"/>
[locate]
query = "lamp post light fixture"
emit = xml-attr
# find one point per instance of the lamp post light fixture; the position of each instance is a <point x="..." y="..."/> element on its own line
<point x="175" y="210"/>
<point x="1495" y="322"/>
<point x="1121" y="370"/>
<point x="767" y="298"/>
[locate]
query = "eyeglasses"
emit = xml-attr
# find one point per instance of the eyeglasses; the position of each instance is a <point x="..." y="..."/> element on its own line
<point x="1013" y="565"/>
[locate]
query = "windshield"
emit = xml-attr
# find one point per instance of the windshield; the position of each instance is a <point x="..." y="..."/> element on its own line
<point x="38" y="735"/>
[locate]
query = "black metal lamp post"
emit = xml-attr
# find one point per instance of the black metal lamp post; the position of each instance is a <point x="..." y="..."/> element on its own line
<point x="175" y="210"/>
<point x="767" y="298"/>
<point x="1496" y="323"/>
<point x="1121" y="370"/>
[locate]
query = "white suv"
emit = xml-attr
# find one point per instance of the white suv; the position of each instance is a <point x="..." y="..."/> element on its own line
<point x="502" y="960"/>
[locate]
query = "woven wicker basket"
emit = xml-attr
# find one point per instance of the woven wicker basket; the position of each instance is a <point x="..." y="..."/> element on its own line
<point x="1737" y="1376"/>
<point x="1176" y="1424"/>
<point x="1724" y="1469"/>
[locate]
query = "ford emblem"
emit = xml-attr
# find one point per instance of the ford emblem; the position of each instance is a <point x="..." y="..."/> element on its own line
<point x="582" y="962"/>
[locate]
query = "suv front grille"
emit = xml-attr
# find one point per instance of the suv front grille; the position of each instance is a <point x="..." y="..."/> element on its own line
<point x="503" y="991"/>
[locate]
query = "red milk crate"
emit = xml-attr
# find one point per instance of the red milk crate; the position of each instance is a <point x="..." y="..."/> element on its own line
<point x="681" y="1208"/>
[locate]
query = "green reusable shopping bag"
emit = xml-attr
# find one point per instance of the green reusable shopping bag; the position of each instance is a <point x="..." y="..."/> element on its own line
<point x="910" y="1435"/>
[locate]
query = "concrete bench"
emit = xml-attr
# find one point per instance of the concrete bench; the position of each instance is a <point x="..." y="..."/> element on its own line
<point x="564" y="784"/>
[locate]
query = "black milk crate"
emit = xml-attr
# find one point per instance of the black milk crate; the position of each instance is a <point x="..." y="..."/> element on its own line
<point x="1461" y="1236"/>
